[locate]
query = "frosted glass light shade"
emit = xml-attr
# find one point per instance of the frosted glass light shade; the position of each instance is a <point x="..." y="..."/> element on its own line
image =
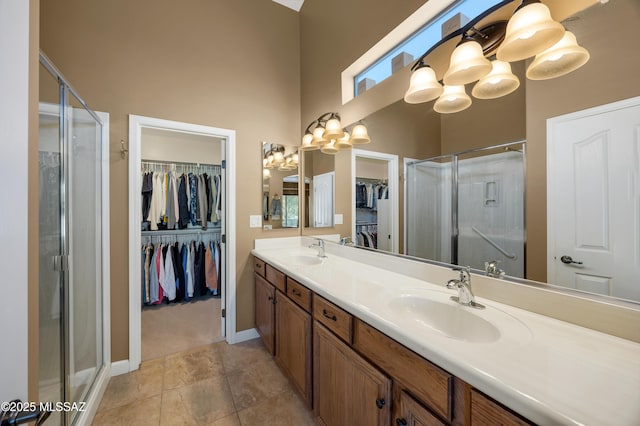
<point x="318" y="138"/>
<point x="306" y="143"/>
<point x="278" y="157"/>
<point x="529" y="31"/>
<point x="344" y="142"/>
<point x="467" y="64"/>
<point x="499" y="82"/>
<point x="562" y="58"/>
<point x="453" y="99"/>
<point x="359" y="135"/>
<point x="333" y="129"/>
<point x="423" y="87"/>
<point x="295" y="158"/>
<point x="330" y="148"/>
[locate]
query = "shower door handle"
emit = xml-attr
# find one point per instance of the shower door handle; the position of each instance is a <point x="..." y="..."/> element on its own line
<point x="567" y="260"/>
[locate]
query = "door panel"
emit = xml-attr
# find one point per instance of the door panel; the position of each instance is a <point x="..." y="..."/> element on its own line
<point x="323" y="190"/>
<point x="594" y="200"/>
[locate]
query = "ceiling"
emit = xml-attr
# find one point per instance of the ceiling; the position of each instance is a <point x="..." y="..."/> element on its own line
<point x="291" y="4"/>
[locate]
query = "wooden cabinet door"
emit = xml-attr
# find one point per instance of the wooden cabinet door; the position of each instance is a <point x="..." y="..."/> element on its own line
<point x="485" y="412"/>
<point x="265" y="311"/>
<point x="414" y="414"/>
<point x="347" y="389"/>
<point x="293" y="344"/>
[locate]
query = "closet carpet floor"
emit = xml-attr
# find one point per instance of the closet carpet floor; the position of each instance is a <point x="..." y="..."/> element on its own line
<point x="168" y="329"/>
<point x="217" y="384"/>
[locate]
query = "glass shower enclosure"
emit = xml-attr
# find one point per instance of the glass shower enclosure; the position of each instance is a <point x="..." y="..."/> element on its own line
<point x="468" y="208"/>
<point x="70" y="245"/>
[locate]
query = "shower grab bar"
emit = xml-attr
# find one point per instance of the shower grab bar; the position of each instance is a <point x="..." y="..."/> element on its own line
<point x="493" y="243"/>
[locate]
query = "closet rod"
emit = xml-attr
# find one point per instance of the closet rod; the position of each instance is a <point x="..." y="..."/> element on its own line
<point x="180" y="232"/>
<point x="177" y="163"/>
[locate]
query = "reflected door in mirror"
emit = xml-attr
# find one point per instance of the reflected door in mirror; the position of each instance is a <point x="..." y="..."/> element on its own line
<point x="323" y="190"/>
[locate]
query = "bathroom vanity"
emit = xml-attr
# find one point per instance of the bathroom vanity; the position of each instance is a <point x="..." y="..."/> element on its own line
<point x="366" y="342"/>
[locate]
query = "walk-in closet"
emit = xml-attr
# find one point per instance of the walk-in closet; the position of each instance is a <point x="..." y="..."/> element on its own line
<point x="372" y="206"/>
<point x="182" y="250"/>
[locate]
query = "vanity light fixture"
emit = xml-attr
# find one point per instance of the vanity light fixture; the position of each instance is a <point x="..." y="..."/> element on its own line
<point x="499" y="82"/>
<point x="560" y="59"/>
<point x="468" y="63"/>
<point x="359" y="134"/>
<point x="424" y="85"/>
<point x="531" y="31"/>
<point x="453" y="99"/>
<point x="327" y="134"/>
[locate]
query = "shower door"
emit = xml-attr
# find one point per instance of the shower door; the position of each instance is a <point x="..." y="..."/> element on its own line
<point x="70" y="253"/>
<point x="428" y="212"/>
<point x="490" y="198"/>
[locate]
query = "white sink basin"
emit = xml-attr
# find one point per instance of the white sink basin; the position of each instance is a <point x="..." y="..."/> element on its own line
<point x="451" y="319"/>
<point x="304" y="260"/>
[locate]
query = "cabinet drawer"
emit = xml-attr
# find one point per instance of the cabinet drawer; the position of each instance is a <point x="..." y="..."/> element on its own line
<point x="299" y="294"/>
<point x="424" y="380"/>
<point x="258" y="266"/>
<point x="334" y="318"/>
<point x="276" y="278"/>
<point x="486" y="412"/>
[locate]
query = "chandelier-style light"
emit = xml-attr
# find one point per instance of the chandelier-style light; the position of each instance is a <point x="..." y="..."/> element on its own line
<point x="330" y="137"/>
<point x="276" y="157"/>
<point x="499" y="82"/>
<point x="424" y="85"/>
<point x="531" y="31"/>
<point x="560" y="59"/>
<point x="453" y="99"/>
<point x="468" y="64"/>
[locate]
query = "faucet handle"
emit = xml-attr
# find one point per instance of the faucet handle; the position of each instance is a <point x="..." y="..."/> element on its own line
<point x="465" y="273"/>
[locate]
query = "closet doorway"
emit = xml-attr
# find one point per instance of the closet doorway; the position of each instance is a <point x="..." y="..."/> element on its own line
<point x="181" y="230"/>
<point x="375" y="200"/>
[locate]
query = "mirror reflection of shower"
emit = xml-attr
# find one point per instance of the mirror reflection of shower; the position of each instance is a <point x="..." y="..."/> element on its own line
<point x="468" y="208"/>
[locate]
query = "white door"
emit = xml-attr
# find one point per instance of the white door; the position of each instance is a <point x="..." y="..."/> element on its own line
<point x="593" y="195"/>
<point x="323" y="200"/>
<point x="384" y="224"/>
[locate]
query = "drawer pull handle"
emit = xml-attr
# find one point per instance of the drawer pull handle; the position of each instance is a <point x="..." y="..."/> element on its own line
<point x="329" y="316"/>
<point x="296" y="292"/>
<point x="258" y="265"/>
<point x="380" y="403"/>
<point x="401" y="422"/>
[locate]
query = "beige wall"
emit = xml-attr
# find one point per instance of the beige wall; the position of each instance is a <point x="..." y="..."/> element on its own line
<point x="162" y="146"/>
<point x="222" y="63"/>
<point x="609" y="33"/>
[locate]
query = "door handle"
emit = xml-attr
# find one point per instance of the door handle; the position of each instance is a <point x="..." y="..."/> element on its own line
<point x="568" y="260"/>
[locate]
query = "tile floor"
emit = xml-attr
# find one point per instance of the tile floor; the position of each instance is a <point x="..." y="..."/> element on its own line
<point x="217" y="384"/>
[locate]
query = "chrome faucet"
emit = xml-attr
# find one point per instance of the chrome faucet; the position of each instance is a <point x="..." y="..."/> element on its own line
<point x="320" y="245"/>
<point x="492" y="270"/>
<point x="463" y="285"/>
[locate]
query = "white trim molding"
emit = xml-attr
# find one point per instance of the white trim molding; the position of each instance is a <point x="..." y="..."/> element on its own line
<point x="392" y="162"/>
<point x="136" y="124"/>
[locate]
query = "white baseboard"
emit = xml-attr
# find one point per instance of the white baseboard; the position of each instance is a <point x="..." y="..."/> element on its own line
<point x="245" y="335"/>
<point x="119" y="367"/>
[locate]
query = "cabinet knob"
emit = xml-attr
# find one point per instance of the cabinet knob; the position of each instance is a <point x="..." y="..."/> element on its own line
<point x="296" y="292"/>
<point x="380" y="402"/>
<point x="401" y="422"/>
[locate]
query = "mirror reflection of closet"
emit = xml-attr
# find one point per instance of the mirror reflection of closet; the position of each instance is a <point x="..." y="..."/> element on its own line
<point x="372" y="204"/>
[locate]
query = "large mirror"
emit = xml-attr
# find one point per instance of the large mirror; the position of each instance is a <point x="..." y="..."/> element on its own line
<point x="319" y="188"/>
<point x="280" y="193"/>
<point x="552" y="249"/>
